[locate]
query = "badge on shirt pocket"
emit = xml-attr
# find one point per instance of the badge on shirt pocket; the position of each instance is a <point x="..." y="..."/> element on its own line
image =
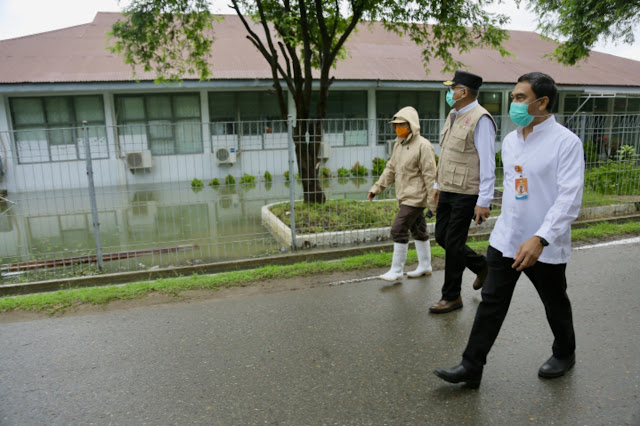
<point x="522" y="189"/>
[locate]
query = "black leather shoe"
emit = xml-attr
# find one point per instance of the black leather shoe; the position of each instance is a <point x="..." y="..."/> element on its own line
<point x="459" y="374"/>
<point x="555" y="367"/>
<point x="444" y="306"/>
<point x="482" y="275"/>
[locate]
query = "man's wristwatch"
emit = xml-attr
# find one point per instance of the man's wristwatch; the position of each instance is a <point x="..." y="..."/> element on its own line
<point x="543" y="241"/>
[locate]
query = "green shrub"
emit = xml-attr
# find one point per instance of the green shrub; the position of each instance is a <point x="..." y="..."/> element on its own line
<point x="247" y="178"/>
<point x="499" y="159"/>
<point x="343" y="173"/>
<point x="267" y="176"/>
<point x="324" y="173"/>
<point x="286" y="176"/>
<point x="196" y="183"/>
<point x="626" y="153"/>
<point x="358" y="171"/>
<point x="614" y="177"/>
<point x="229" y="180"/>
<point x="378" y="166"/>
<point x="214" y="182"/>
<point x="591" y="153"/>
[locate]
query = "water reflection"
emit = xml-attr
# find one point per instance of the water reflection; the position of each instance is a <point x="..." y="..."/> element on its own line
<point x="212" y="224"/>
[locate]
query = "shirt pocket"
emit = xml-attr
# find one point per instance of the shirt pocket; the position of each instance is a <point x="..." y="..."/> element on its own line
<point x="455" y="174"/>
<point x="457" y="142"/>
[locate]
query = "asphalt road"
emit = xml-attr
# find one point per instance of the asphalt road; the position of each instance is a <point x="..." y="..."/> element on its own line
<point x="354" y="353"/>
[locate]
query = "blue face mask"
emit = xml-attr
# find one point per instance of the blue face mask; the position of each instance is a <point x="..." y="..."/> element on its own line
<point x="449" y="97"/>
<point x="519" y="113"/>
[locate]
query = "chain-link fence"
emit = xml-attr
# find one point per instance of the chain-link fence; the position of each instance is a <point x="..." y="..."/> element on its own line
<point x="172" y="194"/>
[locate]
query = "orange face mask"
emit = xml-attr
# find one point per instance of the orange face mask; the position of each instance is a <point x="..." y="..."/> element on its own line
<point x="402" y="132"/>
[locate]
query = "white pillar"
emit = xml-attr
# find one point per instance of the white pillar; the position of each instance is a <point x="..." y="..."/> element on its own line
<point x="116" y="156"/>
<point x="291" y="105"/>
<point x="204" y="119"/>
<point x="372" y="115"/>
<point x="111" y="123"/>
<point x="7" y="157"/>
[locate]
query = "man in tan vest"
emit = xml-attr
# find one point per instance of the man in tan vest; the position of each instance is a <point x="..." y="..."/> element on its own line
<point x="464" y="185"/>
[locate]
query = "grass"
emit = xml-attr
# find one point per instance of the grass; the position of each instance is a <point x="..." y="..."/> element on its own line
<point x="338" y="215"/>
<point x="591" y="198"/>
<point x="65" y="300"/>
<point x="604" y="230"/>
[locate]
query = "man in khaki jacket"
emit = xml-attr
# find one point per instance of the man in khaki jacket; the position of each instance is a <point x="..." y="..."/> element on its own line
<point x="412" y="167"/>
<point x="465" y="183"/>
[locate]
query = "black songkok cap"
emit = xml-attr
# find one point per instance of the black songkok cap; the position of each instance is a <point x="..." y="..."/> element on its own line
<point x="467" y="79"/>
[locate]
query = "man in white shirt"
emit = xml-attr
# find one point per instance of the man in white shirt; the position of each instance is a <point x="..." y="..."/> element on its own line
<point x="464" y="185"/>
<point x="543" y="182"/>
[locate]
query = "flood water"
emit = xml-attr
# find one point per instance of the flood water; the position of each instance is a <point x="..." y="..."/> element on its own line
<point x="179" y="225"/>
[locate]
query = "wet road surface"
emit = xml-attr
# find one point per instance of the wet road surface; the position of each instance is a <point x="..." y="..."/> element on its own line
<point x="356" y="353"/>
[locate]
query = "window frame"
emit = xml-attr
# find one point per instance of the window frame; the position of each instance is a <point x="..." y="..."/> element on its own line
<point x="173" y="120"/>
<point x="74" y="126"/>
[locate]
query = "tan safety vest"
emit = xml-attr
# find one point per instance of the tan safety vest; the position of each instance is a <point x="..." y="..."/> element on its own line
<point x="459" y="163"/>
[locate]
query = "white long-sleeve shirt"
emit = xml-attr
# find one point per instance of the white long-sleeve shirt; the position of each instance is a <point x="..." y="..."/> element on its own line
<point x="484" y="140"/>
<point x="552" y="161"/>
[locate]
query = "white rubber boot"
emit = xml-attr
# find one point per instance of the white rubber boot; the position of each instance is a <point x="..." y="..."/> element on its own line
<point x="423" y="250"/>
<point x="397" y="264"/>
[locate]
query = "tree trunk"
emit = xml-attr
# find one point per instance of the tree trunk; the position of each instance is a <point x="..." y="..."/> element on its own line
<point x="307" y="136"/>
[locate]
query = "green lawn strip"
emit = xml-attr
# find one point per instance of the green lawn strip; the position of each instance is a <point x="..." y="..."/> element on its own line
<point x="605" y="229"/>
<point x="65" y="299"/>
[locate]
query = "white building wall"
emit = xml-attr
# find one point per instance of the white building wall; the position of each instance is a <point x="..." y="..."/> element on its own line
<point x="29" y="168"/>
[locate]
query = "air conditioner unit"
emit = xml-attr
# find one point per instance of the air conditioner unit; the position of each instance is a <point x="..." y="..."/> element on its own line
<point x="225" y="155"/>
<point x="390" y="145"/>
<point x="324" y="150"/>
<point x="138" y="160"/>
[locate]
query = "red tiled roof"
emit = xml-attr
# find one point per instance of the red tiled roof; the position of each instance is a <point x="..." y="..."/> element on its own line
<point x="78" y="54"/>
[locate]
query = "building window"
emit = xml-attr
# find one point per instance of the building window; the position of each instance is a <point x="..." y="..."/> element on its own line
<point x="346" y="120"/>
<point x="492" y="102"/>
<point x="633" y="105"/>
<point x="427" y="103"/>
<point x="165" y="124"/>
<point x="258" y="113"/>
<point x="50" y="128"/>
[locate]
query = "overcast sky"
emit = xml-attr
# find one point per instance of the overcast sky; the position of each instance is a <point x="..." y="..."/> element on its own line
<point x="24" y="17"/>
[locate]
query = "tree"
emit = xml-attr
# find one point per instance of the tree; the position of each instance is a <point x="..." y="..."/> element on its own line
<point x="580" y="24"/>
<point x="174" y="37"/>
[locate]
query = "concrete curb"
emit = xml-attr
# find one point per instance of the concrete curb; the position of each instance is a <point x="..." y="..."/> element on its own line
<point x="281" y="232"/>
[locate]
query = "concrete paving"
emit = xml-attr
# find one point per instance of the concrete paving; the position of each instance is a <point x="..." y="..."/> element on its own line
<point x="356" y="353"/>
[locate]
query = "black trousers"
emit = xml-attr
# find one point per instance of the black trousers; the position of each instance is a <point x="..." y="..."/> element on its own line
<point x="453" y="219"/>
<point x="409" y="218"/>
<point x="550" y="282"/>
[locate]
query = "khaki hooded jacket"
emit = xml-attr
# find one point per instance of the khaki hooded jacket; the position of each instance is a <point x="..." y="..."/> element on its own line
<point x="412" y="166"/>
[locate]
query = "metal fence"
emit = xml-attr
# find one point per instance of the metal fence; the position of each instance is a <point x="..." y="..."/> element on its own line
<point x="187" y="193"/>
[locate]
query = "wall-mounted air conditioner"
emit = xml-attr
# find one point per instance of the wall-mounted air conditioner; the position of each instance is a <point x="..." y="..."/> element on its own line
<point x="138" y="160"/>
<point x="390" y="145"/>
<point x="324" y="150"/>
<point x="225" y="155"/>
